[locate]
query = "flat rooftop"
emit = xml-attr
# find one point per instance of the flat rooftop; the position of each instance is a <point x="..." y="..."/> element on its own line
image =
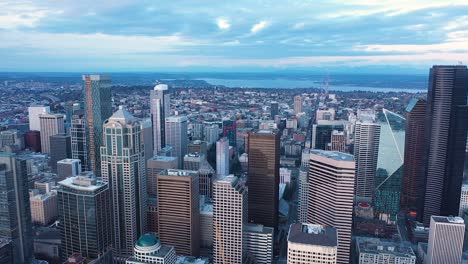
<point x="379" y="246"/>
<point x="163" y="158"/>
<point x="448" y="220"/>
<point x="335" y="155"/>
<point x="309" y="234"/>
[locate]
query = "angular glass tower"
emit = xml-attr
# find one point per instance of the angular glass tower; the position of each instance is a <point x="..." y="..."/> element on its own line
<point x="389" y="164"/>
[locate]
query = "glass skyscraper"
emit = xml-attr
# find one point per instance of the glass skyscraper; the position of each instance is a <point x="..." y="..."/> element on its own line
<point x="389" y="163"/>
<point x="98" y="107"/>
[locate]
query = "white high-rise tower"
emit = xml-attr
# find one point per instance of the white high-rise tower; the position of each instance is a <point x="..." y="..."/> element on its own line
<point x="160" y="109"/>
<point x="222" y="157"/>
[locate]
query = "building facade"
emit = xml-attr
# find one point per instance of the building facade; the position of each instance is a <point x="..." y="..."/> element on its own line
<point x="332" y="172"/>
<point x="445" y="240"/>
<point x="176" y="137"/>
<point x="160" y="108"/>
<point x="60" y="148"/>
<point x="33" y="115"/>
<point x="123" y="167"/>
<point x="79" y="140"/>
<point x="148" y="249"/>
<point x="222" y="157"/>
<point x="51" y="124"/>
<point x="258" y="242"/>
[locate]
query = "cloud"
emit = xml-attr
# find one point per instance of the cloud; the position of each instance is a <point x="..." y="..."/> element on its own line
<point x="415" y="48"/>
<point x="259" y="26"/>
<point x="299" y="25"/>
<point x="223" y="24"/>
<point x="14" y="15"/>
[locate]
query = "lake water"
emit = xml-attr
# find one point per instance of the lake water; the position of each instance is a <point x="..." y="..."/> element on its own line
<point x="291" y="83"/>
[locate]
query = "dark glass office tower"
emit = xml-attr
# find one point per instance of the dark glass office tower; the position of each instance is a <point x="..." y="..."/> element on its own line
<point x="79" y="140"/>
<point x="412" y="196"/>
<point x="274" y="109"/>
<point x="263" y="177"/>
<point x="446" y="123"/>
<point x="60" y="148"/>
<point x="15" y="212"/>
<point x="85" y="218"/>
<point x="98" y="108"/>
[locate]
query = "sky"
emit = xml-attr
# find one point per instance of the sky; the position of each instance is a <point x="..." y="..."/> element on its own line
<point x="241" y="35"/>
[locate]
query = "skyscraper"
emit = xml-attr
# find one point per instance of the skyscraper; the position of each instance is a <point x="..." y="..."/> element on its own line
<point x="176" y="137"/>
<point x="332" y="172"/>
<point x="274" y="109"/>
<point x="366" y="150"/>
<point x="32" y="140"/>
<point x="51" y="124"/>
<point x="229" y="131"/>
<point x="15" y="220"/>
<point x="222" y="157"/>
<point x="310" y="243"/>
<point x="60" y="148"/>
<point x="258" y="242"/>
<point x="147" y="135"/>
<point x="79" y="140"/>
<point x="160" y="105"/>
<point x="412" y="196"/>
<point x="33" y="114"/>
<point x="84" y="206"/>
<point x="123" y="167"/>
<point x="297" y="104"/>
<point x="68" y="168"/>
<point x="229" y="216"/>
<point x="463" y="200"/>
<point x="98" y="108"/>
<point x="263" y="177"/>
<point x="446" y="129"/>
<point x="338" y="141"/>
<point x="43" y="208"/>
<point x="179" y="210"/>
<point x="389" y="173"/>
<point x="445" y="240"/>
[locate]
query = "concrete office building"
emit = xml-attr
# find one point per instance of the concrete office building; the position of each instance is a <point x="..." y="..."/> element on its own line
<point x="51" y="124"/>
<point x="160" y="108"/>
<point x="153" y="166"/>
<point x="222" y="157"/>
<point x="147" y="135"/>
<point x="193" y="161"/>
<point x="332" y="172"/>
<point x="263" y="177"/>
<point x="68" y="168"/>
<point x="207" y="175"/>
<point x="338" y="141"/>
<point x="123" y="167"/>
<point x="16" y="218"/>
<point x="229" y="216"/>
<point x="79" y="140"/>
<point x="445" y="240"/>
<point x="312" y="244"/>
<point x="258" y="242"/>
<point x="463" y="200"/>
<point x="211" y="134"/>
<point x="446" y="130"/>
<point x="97" y="108"/>
<point x="60" y="148"/>
<point x="366" y="150"/>
<point x="84" y="206"/>
<point x="206" y="227"/>
<point x="148" y="249"/>
<point x="43" y="208"/>
<point x="297" y="104"/>
<point x="197" y="146"/>
<point x="376" y="251"/>
<point x="179" y="210"/>
<point x="176" y="137"/>
<point x="33" y="115"/>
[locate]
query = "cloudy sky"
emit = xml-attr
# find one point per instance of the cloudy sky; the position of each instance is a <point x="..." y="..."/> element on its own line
<point x="240" y="35"/>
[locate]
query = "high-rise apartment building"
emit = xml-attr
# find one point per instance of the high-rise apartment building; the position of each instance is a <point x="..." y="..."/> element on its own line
<point x="445" y="240"/>
<point x="258" y="242"/>
<point x="312" y="244"/>
<point x="43" y="208"/>
<point x="148" y="249"/>
<point x="123" y="167"/>
<point x="79" y="140"/>
<point x="84" y="206"/>
<point x="176" y="137"/>
<point x="222" y="157"/>
<point x="60" y="148"/>
<point x="297" y="104"/>
<point x="263" y="177"/>
<point x="160" y="107"/>
<point x="446" y="130"/>
<point x="97" y="108"/>
<point x="332" y="172"/>
<point x="15" y="210"/>
<point x="229" y="216"/>
<point x="412" y="196"/>
<point x="51" y="124"/>
<point x="33" y="116"/>
<point x="179" y="210"/>
<point x="366" y="150"/>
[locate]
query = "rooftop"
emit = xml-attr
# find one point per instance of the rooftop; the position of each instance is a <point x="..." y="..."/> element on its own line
<point x="122" y="114"/>
<point x="335" y="155"/>
<point x="448" y="220"/>
<point x="147" y="240"/>
<point x="163" y="158"/>
<point x="310" y="234"/>
<point x="84" y="182"/>
<point x="177" y="172"/>
<point x="380" y="246"/>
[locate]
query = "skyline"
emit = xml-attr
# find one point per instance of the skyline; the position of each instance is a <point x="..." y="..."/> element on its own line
<point x="254" y="36"/>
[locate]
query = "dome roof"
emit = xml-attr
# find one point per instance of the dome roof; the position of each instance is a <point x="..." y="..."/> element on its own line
<point x="147" y="240"/>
